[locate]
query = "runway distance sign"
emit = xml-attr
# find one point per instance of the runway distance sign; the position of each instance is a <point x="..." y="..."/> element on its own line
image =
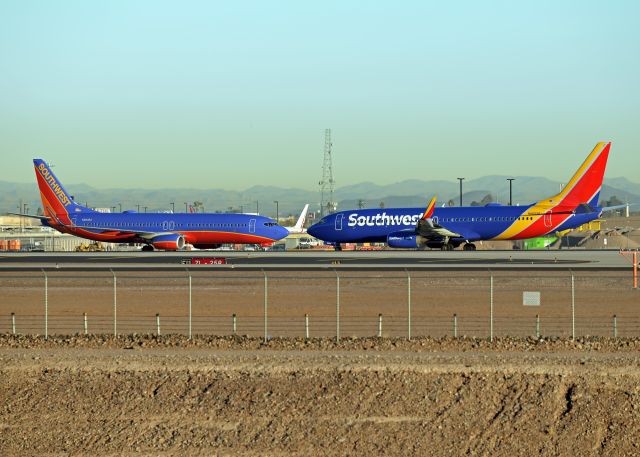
<point x="531" y="298"/>
<point x="205" y="261"/>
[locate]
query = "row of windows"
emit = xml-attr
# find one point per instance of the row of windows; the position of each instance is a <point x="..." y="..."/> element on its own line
<point x="159" y="226"/>
<point x="486" y="219"/>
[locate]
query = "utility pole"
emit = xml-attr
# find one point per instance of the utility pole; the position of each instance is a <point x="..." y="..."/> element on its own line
<point x="327" y="183"/>
<point x="460" y="179"/>
<point x="277" y="213"/>
<point x="510" y="190"/>
<point x="120" y="205"/>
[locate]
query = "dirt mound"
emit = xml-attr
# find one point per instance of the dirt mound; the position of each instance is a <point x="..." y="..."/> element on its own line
<point x="235" y="396"/>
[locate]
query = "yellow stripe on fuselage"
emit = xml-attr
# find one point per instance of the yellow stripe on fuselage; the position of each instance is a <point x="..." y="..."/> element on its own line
<point x="519" y="225"/>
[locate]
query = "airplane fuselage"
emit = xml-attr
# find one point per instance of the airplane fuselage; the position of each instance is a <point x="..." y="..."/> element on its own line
<point x="477" y="223"/>
<point x="197" y="229"/>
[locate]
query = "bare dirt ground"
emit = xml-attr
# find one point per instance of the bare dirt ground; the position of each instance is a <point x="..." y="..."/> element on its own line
<point x="240" y="396"/>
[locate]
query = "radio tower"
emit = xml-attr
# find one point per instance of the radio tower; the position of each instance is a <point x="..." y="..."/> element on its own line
<point x="327" y="205"/>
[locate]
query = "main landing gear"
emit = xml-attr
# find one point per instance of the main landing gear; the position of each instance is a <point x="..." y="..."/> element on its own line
<point x="448" y="247"/>
<point x="147" y="248"/>
<point x="469" y="247"/>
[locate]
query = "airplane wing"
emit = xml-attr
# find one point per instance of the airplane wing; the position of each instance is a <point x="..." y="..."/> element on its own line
<point x="611" y="208"/>
<point x="32" y="216"/>
<point x="429" y="229"/>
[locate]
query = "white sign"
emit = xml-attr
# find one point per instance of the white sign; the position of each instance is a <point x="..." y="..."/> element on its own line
<point x="531" y="298"/>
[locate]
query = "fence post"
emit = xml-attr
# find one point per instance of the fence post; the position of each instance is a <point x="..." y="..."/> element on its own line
<point x="337" y="306"/>
<point x="615" y="326"/>
<point x="455" y="325"/>
<point x="234" y="321"/>
<point x="573" y="307"/>
<point x="157" y="324"/>
<point x="115" y="303"/>
<point x="537" y="326"/>
<point x="266" y="305"/>
<point x="13" y="323"/>
<point x="408" y="305"/>
<point x="635" y="270"/>
<point x="380" y="325"/>
<point x="189" y="273"/>
<point x="46" y="305"/>
<point x="306" y="326"/>
<point x="86" y="323"/>
<point x="491" y="308"/>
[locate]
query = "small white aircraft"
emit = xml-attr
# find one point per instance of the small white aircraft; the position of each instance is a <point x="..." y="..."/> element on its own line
<point x="299" y="227"/>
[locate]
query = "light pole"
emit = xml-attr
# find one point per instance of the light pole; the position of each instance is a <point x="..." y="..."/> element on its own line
<point x="277" y="218"/>
<point x="173" y="207"/>
<point x="186" y="210"/>
<point x="113" y="209"/>
<point x="120" y="205"/>
<point x="257" y="207"/>
<point x="460" y="179"/>
<point x="145" y="209"/>
<point x="138" y="208"/>
<point x="510" y="192"/>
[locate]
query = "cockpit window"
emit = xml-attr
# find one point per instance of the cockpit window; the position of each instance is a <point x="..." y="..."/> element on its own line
<point x="323" y="220"/>
<point x="270" y="224"/>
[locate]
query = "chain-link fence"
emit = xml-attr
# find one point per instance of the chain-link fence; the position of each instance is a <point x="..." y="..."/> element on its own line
<point x="321" y="304"/>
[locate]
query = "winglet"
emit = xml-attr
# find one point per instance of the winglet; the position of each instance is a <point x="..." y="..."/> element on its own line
<point x="430" y="208"/>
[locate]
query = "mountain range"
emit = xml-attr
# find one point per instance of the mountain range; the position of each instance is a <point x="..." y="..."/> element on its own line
<point x="526" y="189"/>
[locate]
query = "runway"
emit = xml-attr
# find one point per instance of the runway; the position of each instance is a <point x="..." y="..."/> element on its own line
<point x="314" y="260"/>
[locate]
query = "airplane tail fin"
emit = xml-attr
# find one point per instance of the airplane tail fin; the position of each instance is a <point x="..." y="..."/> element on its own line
<point x="303" y="215"/>
<point x="586" y="183"/>
<point x="430" y="209"/>
<point x="56" y="202"/>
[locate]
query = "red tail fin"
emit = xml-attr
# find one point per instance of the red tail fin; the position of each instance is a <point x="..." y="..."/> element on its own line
<point x="585" y="185"/>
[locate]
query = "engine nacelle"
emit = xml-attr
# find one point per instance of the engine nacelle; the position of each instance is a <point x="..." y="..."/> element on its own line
<point x="168" y="242"/>
<point x="402" y="240"/>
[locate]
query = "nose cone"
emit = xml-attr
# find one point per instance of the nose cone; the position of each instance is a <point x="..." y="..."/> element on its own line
<point x="315" y="231"/>
<point x="279" y="232"/>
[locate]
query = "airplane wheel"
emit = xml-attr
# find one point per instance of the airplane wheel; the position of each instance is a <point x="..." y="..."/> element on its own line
<point x="447" y="247"/>
<point x="469" y="247"/>
<point x="147" y="248"/>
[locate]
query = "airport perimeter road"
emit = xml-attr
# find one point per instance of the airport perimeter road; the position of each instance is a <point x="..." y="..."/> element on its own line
<point x="315" y="260"/>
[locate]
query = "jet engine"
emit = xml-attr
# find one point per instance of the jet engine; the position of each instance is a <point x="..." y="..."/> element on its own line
<point x="406" y="239"/>
<point x="168" y="242"/>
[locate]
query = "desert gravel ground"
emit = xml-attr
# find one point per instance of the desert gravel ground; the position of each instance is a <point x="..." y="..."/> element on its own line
<point x="219" y="396"/>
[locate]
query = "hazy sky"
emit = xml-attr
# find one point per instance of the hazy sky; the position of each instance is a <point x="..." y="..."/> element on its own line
<point x="231" y="94"/>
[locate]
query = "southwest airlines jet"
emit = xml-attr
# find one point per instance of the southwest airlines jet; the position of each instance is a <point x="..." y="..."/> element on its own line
<point x="167" y="231"/>
<point x="449" y="227"/>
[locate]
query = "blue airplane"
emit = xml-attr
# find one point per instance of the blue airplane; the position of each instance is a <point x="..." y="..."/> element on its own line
<point x="449" y="227"/>
<point x="165" y="231"/>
